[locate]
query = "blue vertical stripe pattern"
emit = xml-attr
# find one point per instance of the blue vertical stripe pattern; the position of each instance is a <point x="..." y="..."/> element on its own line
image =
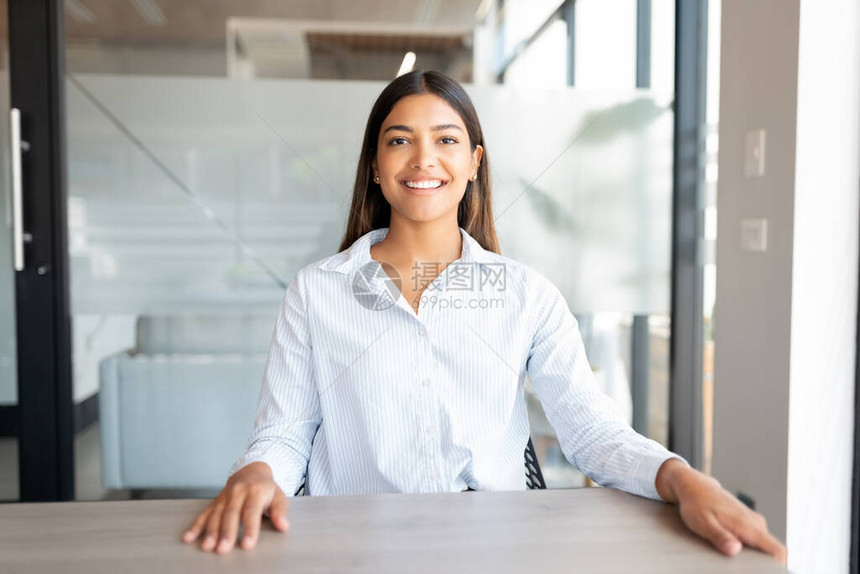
<point x="363" y="395"/>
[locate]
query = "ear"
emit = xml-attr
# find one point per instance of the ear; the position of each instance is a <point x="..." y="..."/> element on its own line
<point x="373" y="168"/>
<point x="477" y="155"/>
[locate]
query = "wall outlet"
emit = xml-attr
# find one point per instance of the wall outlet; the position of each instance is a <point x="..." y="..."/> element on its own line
<point x="754" y="235"/>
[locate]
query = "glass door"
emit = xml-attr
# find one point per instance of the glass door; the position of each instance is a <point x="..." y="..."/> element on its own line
<point x="36" y="416"/>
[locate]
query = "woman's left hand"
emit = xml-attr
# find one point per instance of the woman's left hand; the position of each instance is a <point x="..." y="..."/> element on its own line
<point x="713" y="513"/>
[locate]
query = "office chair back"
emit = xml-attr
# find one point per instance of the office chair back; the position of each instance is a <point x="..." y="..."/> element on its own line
<point x="534" y="477"/>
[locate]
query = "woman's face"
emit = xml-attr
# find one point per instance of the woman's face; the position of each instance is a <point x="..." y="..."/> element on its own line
<point x="424" y="159"/>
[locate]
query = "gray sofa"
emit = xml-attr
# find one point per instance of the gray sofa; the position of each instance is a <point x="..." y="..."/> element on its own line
<point x="177" y="411"/>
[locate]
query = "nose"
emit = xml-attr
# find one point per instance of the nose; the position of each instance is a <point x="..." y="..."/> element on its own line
<point x="424" y="155"/>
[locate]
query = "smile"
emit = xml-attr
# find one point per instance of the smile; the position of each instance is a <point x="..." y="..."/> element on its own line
<point x="424" y="184"/>
<point x="423" y="187"/>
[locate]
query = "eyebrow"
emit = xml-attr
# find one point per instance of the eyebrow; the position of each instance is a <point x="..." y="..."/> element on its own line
<point x="438" y="128"/>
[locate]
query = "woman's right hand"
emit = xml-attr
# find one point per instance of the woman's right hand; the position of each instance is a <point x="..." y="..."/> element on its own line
<point x="250" y="494"/>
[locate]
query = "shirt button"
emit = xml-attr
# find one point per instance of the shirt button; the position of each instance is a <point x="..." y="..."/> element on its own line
<point x="423" y="332"/>
<point x="430" y="429"/>
<point x="425" y="383"/>
<point x="434" y="476"/>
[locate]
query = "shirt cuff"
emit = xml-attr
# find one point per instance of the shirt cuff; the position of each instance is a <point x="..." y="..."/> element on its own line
<point x="643" y="477"/>
<point x="288" y="466"/>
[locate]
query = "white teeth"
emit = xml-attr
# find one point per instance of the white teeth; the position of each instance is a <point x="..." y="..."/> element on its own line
<point x="426" y="184"/>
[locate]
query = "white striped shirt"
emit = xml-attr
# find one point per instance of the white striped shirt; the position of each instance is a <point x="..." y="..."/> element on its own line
<point x="361" y="395"/>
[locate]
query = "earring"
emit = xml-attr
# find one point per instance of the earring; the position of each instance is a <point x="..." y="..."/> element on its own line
<point x="376" y="179"/>
<point x="474" y="177"/>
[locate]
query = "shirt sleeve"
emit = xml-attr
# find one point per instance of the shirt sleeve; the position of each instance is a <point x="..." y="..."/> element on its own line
<point x="592" y="432"/>
<point x="288" y="409"/>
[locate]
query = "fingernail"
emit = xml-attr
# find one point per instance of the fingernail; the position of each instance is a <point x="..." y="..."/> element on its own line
<point x="223" y="545"/>
<point x="246" y="542"/>
<point x="734" y="547"/>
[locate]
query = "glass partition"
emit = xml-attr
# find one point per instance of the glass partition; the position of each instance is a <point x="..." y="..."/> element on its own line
<point x="180" y="207"/>
<point x="208" y="165"/>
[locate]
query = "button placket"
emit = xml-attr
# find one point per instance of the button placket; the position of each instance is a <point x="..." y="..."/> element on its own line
<point x="426" y="416"/>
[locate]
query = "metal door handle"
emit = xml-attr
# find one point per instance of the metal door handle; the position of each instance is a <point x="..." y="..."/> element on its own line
<point x="17" y="208"/>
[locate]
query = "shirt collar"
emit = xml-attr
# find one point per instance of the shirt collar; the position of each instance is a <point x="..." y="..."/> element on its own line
<point x="351" y="259"/>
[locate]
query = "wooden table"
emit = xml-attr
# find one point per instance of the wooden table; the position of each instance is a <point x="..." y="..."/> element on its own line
<point x="533" y="532"/>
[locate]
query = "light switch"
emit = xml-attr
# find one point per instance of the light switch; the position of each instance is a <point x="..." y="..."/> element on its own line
<point x="754" y="235"/>
<point x="754" y="153"/>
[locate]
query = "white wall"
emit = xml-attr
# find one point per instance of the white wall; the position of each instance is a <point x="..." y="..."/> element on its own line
<point x="752" y="316"/>
<point x="785" y="320"/>
<point x="824" y="287"/>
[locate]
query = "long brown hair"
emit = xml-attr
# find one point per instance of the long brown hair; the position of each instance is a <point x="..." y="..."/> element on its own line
<point x="370" y="210"/>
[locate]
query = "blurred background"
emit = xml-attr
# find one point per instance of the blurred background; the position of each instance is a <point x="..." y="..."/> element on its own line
<point x="211" y="149"/>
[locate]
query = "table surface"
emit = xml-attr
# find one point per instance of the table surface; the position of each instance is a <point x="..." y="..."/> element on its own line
<point x="539" y="531"/>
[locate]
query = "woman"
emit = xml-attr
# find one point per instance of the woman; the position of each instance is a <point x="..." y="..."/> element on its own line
<point x="398" y="364"/>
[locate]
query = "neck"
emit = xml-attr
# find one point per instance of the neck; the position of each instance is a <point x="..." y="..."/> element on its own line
<point x="409" y="241"/>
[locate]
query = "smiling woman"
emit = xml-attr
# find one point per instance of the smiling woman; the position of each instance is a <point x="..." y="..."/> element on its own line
<point x="427" y="395"/>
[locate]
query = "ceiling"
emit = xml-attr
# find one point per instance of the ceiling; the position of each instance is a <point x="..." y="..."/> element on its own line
<point x="273" y="38"/>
